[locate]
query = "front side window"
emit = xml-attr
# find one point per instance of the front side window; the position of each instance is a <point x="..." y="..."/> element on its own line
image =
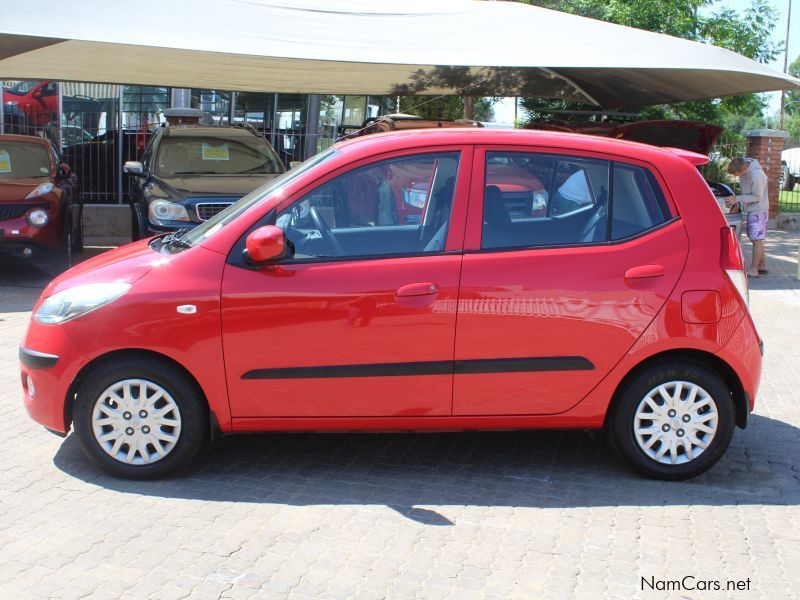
<point x="541" y="200"/>
<point x="398" y="206"/>
<point x="216" y="155"/>
<point x="208" y="228"/>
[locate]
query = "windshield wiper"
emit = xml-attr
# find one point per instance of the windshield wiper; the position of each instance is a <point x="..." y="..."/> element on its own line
<point x="195" y="173"/>
<point x="174" y="240"/>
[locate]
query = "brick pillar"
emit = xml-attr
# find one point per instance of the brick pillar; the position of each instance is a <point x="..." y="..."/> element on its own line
<point x="766" y="145"/>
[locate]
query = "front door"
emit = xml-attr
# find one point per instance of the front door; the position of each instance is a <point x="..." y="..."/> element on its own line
<point x="361" y="320"/>
<point x="552" y="296"/>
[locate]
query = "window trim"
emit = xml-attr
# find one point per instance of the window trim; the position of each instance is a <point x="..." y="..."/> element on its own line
<point x="474" y="235"/>
<point x="458" y="211"/>
<point x="617" y="242"/>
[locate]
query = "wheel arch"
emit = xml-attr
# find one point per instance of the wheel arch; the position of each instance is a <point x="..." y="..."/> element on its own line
<point x="134" y="353"/>
<point x="715" y="363"/>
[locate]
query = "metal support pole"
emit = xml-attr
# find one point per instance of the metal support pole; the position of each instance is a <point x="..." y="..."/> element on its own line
<point x="232" y="108"/>
<point x="181" y="98"/>
<point x="274" y="121"/>
<point x="312" y="125"/>
<point x="786" y="58"/>
<point x="120" y="141"/>
<point x="60" y="117"/>
<point x="2" y="111"/>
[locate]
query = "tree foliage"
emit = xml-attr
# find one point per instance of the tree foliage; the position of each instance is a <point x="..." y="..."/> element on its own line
<point x="708" y="21"/>
<point x="446" y="107"/>
<point x="792" y="111"/>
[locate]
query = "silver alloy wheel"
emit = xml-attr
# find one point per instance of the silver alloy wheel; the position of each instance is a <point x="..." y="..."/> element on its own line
<point x="675" y="422"/>
<point x="136" y="422"/>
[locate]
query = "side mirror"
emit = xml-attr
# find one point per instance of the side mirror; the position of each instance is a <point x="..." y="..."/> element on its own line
<point x="133" y="167"/>
<point x="37" y="94"/>
<point x="267" y="244"/>
<point x="64" y="171"/>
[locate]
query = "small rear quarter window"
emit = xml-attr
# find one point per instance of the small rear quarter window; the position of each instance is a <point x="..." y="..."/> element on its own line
<point x="638" y="202"/>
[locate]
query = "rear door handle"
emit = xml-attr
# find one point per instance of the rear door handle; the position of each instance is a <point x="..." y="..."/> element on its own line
<point x="644" y="271"/>
<point x="423" y="288"/>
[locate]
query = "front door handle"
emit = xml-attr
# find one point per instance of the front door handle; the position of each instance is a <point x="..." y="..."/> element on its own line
<point x="424" y="288"/>
<point x="645" y="271"/>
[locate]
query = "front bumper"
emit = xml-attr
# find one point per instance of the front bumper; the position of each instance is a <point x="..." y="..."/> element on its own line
<point x="19" y="239"/>
<point x="52" y="362"/>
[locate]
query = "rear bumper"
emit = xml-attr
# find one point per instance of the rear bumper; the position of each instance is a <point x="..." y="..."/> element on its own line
<point x="744" y="352"/>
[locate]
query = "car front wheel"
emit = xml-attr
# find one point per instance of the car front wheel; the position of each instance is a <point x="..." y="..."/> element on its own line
<point x="140" y="419"/>
<point x="673" y="420"/>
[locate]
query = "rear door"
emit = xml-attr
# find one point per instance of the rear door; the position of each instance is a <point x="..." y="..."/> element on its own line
<point x="551" y="301"/>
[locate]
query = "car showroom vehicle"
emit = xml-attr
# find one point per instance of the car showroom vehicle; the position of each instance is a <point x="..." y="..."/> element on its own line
<point x="37" y="99"/>
<point x="40" y="202"/>
<point x="790" y="169"/>
<point x="295" y="309"/>
<point x="190" y="173"/>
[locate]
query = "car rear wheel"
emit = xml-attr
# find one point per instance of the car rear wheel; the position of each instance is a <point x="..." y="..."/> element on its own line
<point x="140" y="419"/>
<point x="673" y="420"/>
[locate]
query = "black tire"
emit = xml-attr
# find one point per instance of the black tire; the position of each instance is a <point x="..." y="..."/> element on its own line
<point x="136" y="223"/>
<point x="622" y="420"/>
<point x="193" y="414"/>
<point x="77" y="242"/>
<point x="61" y="260"/>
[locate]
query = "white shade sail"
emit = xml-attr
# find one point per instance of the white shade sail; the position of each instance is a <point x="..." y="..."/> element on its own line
<point x="367" y="47"/>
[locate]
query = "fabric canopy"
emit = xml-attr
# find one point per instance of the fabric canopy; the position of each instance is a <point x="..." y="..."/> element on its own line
<point x="367" y="47"/>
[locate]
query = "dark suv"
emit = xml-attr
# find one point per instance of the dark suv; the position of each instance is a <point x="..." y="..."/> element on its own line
<point x="189" y="174"/>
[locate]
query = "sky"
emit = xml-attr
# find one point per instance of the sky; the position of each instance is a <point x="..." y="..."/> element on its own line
<point x="504" y="112"/>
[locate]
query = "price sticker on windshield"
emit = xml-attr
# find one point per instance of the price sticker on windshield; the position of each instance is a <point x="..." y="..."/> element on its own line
<point x="210" y="152"/>
<point x="5" y="162"/>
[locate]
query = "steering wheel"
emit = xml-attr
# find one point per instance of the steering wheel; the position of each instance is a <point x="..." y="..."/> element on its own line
<point x="325" y="231"/>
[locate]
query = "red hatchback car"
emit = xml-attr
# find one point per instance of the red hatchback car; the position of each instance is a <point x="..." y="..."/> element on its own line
<point x="621" y="304"/>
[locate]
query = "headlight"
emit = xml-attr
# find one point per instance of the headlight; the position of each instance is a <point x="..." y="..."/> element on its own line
<point x="40" y="190"/>
<point x="37" y="218"/>
<point x="161" y="211"/>
<point x="77" y="301"/>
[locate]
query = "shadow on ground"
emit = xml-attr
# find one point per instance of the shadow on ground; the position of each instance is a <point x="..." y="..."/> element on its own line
<point x="406" y="471"/>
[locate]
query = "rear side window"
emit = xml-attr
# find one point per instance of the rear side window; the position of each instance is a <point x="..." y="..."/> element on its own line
<point x="542" y="200"/>
<point x="535" y="200"/>
<point x="638" y="203"/>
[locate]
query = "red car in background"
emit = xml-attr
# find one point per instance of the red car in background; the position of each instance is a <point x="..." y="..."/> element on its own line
<point x="37" y="99"/>
<point x="289" y="310"/>
<point x="40" y="202"/>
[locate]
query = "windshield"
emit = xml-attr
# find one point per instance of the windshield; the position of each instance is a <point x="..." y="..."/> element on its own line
<point x="220" y="220"/>
<point x="216" y="155"/>
<point x="23" y="160"/>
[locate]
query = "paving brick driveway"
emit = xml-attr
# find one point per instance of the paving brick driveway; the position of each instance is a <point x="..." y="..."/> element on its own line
<point x="450" y="515"/>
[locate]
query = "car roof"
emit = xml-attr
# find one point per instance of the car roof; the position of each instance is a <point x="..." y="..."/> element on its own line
<point x="33" y="139"/>
<point x="411" y="138"/>
<point x="215" y="131"/>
